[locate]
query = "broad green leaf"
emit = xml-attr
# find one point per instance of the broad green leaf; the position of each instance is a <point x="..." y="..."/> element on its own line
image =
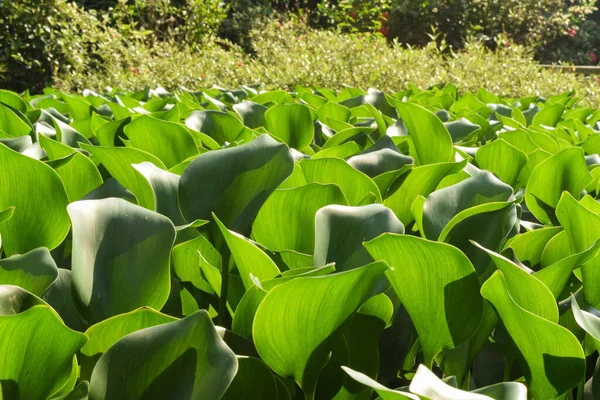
<point x="180" y="359"/>
<point x="290" y="346"/>
<point x="582" y="227"/>
<point x="353" y="183"/>
<point x="554" y="361"/>
<point x="287" y="219"/>
<point x="421" y="181"/>
<point x="379" y="159"/>
<point x="253" y="380"/>
<point x="431" y="139"/>
<point x="526" y="290"/>
<point x="443" y="205"/>
<point x="252" y="114"/>
<point x="292" y="123"/>
<point x="13" y="100"/>
<point x="120" y="257"/>
<point x="80" y="176"/>
<point x="246" y="310"/>
<point x="33" y="338"/>
<point x="220" y="126"/>
<point x="556" y="276"/>
<point x="168" y="141"/>
<point x="247" y="175"/>
<point x="549" y="116"/>
<point x="59" y="296"/>
<point x="340" y="232"/>
<point x="11" y="124"/>
<point x="334" y="111"/>
<point x="40" y="218"/>
<point x="529" y="246"/>
<point x="588" y="321"/>
<point x="503" y="159"/>
<point x="33" y="271"/>
<point x="438" y="286"/>
<point x="249" y="259"/>
<point x="164" y="184"/>
<point x="565" y="171"/>
<point x="118" y="162"/>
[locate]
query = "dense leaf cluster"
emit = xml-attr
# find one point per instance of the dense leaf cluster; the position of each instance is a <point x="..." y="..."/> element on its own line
<point x="316" y="244"/>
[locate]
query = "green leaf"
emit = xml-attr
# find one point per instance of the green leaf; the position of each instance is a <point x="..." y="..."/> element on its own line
<point x="36" y="338"/>
<point x="292" y="123"/>
<point x="33" y="271"/>
<point x="334" y="111"/>
<point x="168" y="141"/>
<point x="421" y="181"/>
<point x="549" y="116"/>
<point x="249" y="259"/>
<point x="59" y="296"/>
<point x="180" y="359"/>
<point x="165" y="186"/>
<point x="283" y="339"/>
<point x="582" y="227"/>
<point x="247" y="174"/>
<point x="80" y="176"/>
<point x="443" y="205"/>
<point x="220" y="126"/>
<point x="118" y="162"/>
<point x="526" y="290"/>
<point x="431" y="139"/>
<point x="382" y="157"/>
<point x="38" y="195"/>
<point x="287" y="219"/>
<point x="11" y="123"/>
<point x="553" y="360"/>
<point x="588" y="321"/>
<point x="341" y="230"/>
<point x="564" y="171"/>
<point x="503" y="159"/>
<point x="529" y="246"/>
<point x="253" y="380"/>
<point x="353" y="183"/>
<point x="120" y="257"/>
<point x="437" y="285"/>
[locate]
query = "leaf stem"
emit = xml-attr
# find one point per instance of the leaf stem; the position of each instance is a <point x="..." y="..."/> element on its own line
<point x="223" y="312"/>
<point x="580" y="389"/>
<point x="507" y="368"/>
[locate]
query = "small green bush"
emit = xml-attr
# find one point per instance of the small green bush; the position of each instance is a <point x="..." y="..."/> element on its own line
<point x="290" y="54"/>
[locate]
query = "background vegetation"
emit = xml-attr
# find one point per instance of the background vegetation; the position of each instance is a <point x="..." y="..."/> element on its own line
<point x="281" y="43"/>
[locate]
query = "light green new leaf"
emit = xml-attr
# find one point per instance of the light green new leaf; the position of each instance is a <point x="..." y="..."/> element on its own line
<point x="554" y="361"/>
<point x="294" y="348"/>
<point x="36" y="191"/>
<point x="438" y="286"/>
<point x="246" y="310"/>
<point x="287" y="219"/>
<point x="33" y="271"/>
<point x="120" y="257"/>
<point x="11" y="124"/>
<point x="421" y="181"/>
<point x="549" y="116"/>
<point x="168" y="141"/>
<point x="340" y="232"/>
<point x="503" y="159"/>
<point x="582" y="227"/>
<point x="249" y="259"/>
<point x="431" y="139"/>
<point x="34" y="338"/>
<point x="118" y="161"/>
<point x="564" y="171"/>
<point x="234" y="183"/>
<point x="292" y="123"/>
<point x="185" y="359"/>
<point x="353" y="183"/>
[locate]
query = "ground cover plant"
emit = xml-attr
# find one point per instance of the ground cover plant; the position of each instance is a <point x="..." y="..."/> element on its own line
<point x="312" y="244"/>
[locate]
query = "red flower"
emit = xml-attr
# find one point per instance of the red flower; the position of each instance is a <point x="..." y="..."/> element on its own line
<point x="240" y="64"/>
<point x="386" y="15"/>
<point x="202" y="76"/>
<point x="384" y="30"/>
<point x="593" y="56"/>
<point x="353" y="15"/>
<point x="506" y="44"/>
<point x="572" y="32"/>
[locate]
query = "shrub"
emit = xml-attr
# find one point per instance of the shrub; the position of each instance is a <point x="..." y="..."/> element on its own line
<point x="290" y="54"/>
